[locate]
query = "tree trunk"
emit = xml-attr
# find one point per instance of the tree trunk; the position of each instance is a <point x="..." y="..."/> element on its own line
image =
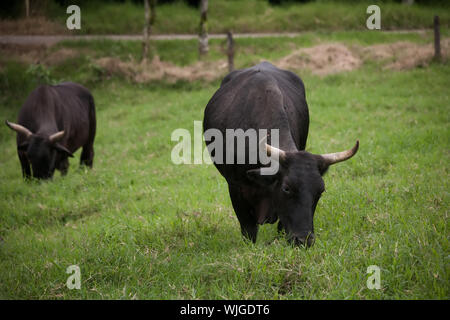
<point x="150" y="14"/>
<point x="203" y="30"/>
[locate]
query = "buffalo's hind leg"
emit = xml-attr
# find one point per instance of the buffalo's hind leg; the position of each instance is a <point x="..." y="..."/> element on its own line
<point x="249" y="226"/>
<point x="87" y="155"/>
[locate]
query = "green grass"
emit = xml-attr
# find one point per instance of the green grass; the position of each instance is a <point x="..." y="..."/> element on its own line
<point x="252" y="16"/>
<point x="141" y="227"/>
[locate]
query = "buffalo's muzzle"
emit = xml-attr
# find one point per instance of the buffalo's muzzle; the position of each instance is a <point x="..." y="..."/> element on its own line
<point x="304" y="240"/>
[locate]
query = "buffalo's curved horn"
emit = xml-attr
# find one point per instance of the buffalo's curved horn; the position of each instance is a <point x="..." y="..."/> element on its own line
<point x="272" y="151"/>
<point x="18" y="128"/>
<point x="332" y="158"/>
<point x="56" y="136"/>
<point x="275" y="152"/>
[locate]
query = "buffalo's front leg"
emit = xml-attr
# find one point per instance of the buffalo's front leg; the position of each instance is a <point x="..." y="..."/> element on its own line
<point x="63" y="166"/>
<point x="280" y="227"/>
<point x="249" y="226"/>
<point x="26" y="170"/>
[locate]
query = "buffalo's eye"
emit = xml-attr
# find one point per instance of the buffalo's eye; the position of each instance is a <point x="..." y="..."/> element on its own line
<point x="286" y="189"/>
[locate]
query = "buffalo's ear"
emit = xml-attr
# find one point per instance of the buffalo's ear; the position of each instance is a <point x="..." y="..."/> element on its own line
<point x="322" y="165"/>
<point x="23" y="146"/>
<point x="61" y="148"/>
<point x="264" y="180"/>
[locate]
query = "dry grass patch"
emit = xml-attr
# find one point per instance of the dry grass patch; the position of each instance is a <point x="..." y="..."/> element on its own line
<point x="404" y="55"/>
<point x="158" y="70"/>
<point x="322" y="59"/>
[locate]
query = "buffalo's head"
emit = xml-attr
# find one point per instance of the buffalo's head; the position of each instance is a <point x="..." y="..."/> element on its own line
<point x="297" y="187"/>
<point x="42" y="151"/>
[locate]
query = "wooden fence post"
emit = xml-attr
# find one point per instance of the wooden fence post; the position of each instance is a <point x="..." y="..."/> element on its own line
<point x="203" y="30"/>
<point x="437" y="39"/>
<point x="150" y="14"/>
<point x="27" y="8"/>
<point x="230" y="51"/>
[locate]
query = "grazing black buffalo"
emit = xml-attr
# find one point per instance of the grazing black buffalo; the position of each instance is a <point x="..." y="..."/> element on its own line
<point x="53" y="123"/>
<point x="265" y="97"/>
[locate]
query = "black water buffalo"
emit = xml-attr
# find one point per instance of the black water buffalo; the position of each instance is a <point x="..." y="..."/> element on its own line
<point x="265" y="97"/>
<point x="53" y="123"/>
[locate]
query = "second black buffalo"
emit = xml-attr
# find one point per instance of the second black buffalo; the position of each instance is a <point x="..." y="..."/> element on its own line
<point x="53" y="123"/>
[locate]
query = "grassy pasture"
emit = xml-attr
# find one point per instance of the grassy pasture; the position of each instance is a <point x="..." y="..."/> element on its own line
<point x="141" y="227"/>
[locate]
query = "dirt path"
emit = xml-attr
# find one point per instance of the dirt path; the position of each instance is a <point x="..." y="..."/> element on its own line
<point x="52" y="39"/>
